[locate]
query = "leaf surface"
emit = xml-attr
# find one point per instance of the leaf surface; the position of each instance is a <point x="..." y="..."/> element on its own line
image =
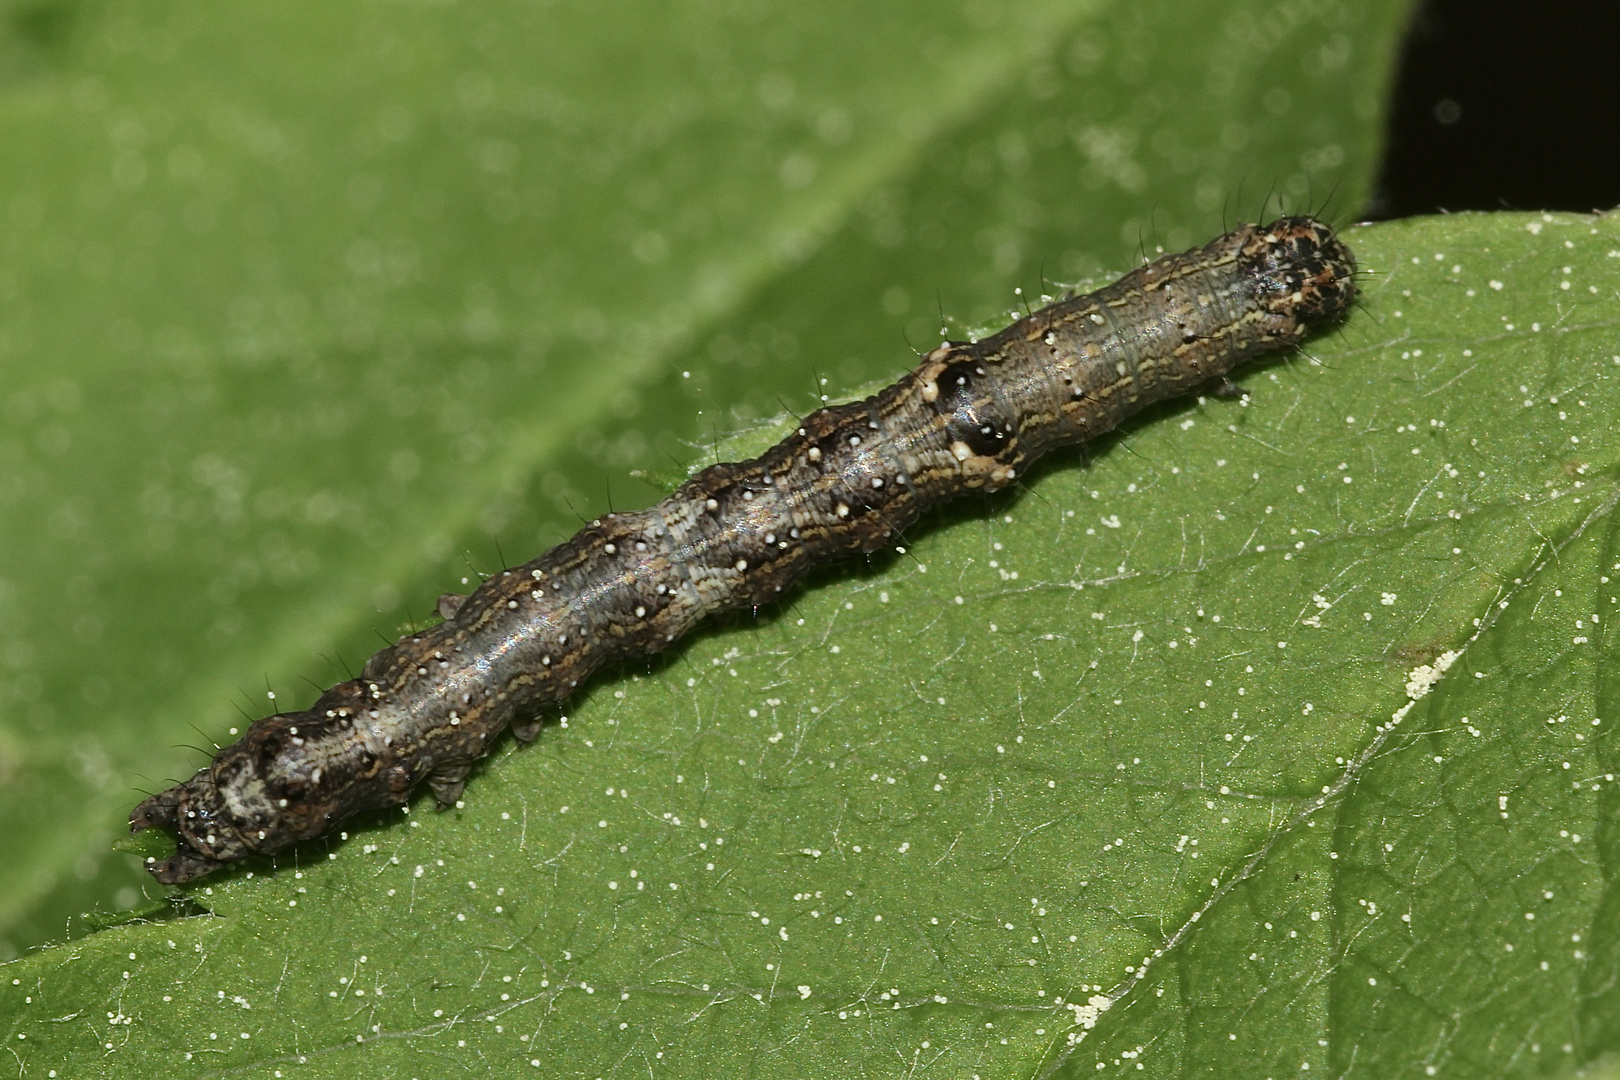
<point x="306" y="312"/>
<point x="1275" y="737"/>
<point x="1278" y="734"/>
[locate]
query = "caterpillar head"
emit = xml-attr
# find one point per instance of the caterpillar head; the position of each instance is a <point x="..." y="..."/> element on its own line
<point x="1302" y="271"/>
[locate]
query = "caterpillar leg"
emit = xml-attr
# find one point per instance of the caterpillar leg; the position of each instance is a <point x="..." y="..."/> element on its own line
<point x="1223" y="388"/>
<point x="448" y="781"/>
<point x="527" y="730"/>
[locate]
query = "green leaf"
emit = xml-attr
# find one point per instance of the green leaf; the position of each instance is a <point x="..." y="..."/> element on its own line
<point x="307" y="310"/>
<point x="1275" y="737"/>
<point x="1162" y="788"/>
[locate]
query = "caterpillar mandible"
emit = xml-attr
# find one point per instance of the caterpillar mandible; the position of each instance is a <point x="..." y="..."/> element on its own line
<point x="970" y="418"/>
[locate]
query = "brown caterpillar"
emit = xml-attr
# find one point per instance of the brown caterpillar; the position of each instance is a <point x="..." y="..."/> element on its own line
<point x="970" y="417"/>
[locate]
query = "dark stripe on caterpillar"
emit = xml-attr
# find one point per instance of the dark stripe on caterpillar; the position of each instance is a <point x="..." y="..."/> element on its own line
<point x="971" y="417"/>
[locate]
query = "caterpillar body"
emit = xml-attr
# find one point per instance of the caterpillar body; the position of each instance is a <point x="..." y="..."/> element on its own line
<point x="970" y="417"/>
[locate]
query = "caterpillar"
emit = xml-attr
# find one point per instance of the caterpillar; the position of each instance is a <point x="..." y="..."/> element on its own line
<point x="971" y="417"/>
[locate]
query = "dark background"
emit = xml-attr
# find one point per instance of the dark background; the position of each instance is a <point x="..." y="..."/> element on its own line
<point x="1505" y="105"/>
